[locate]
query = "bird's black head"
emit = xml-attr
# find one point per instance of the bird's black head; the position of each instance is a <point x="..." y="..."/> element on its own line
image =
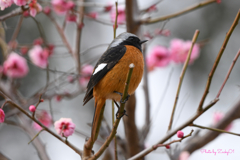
<point x="127" y="39"/>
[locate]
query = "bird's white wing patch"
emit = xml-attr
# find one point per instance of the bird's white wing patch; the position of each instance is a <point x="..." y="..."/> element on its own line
<point x="99" y="67"/>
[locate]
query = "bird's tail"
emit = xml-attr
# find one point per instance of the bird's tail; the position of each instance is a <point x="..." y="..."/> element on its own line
<point x="97" y="119"/>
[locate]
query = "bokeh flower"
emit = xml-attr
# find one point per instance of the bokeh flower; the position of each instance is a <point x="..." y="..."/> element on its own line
<point x="86" y="73"/>
<point x="217" y="117"/>
<point x="45" y="118"/>
<point x="39" y="56"/>
<point x="64" y="127"/>
<point x="21" y="2"/>
<point x="34" y="8"/>
<point x="158" y="57"/>
<point x="15" y="66"/>
<point x="121" y="15"/>
<point x="5" y="3"/>
<point x="184" y="155"/>
<point x="179" y="51"/>
<point x="62" y="6"/>
<point x="2" y="116"/>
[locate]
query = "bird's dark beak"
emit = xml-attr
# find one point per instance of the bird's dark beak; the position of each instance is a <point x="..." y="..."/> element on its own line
<point x="143" y="41"/>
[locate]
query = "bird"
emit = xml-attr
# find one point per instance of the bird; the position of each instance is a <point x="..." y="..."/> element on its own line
<point x="109" y="75"/>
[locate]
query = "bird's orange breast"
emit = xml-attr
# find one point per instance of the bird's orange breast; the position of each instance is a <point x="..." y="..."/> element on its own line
<point x="115" y="79"/>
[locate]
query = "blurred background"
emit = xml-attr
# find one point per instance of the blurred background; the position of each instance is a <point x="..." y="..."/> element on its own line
<point x="213" y="21"/>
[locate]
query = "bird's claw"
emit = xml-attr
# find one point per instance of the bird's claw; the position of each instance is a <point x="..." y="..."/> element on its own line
<point x="126" y="99"/>
<point x="124" y="114"/>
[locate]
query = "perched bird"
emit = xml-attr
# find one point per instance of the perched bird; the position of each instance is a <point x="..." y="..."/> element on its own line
<point x="109" y="76"/>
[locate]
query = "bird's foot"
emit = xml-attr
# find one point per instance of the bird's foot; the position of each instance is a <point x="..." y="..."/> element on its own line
<point x="120" y="115"/>
<point x="126" y="99"/>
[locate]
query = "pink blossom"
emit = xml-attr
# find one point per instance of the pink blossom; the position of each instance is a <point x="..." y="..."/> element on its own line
<point x="180" y="134"/>
<point x="217" y="117"/>
<point x="71" y="17"/>
<point x="39" y="56"/>
<point x="60" y="6"/>
<point x="93" y="15"/>
<point x="121" y="15"/>
<point x="21" y="2"/>
<point x="70" y="79"/>
<point x="70" y="4"/>
<point x="152" y="8"/>
<point x="2" y="116"/>
<point x="158" y="57"/>
<point x="179" y="50"/>
<point x="15" y="66"/>
<point x="108" y="7"/>
<point x="218" y="1"/>
<point x="47" y="10"/>
<point x="45" y="118"/>
<point x="24" y="50"/>
<point x="184" y="155"/>
<point x="34" y="8"/>
<point x="86" y="73"/>
<point x="148" y="35"/>
<point x="167" y="146"/>
<point x="58" y="98"/>
<point x="32" y="108"/>
<point x="26" y="14"/>
<point x="164" y="32"/>
<point x="64" y="127"/>
<point x="80" y="26"/>
<point x="38" y="41"/>
<point x="5" y="3"/>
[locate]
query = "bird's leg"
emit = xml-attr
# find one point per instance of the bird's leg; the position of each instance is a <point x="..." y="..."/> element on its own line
<point x="121" y="101"/>
<point x="124" y="112"/>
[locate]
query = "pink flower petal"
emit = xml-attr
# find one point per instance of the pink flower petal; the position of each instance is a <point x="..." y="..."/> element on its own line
<point x="15" y="66"/>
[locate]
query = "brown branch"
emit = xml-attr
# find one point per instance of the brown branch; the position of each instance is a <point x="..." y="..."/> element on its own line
<point x="37" y="143"/>
<point x="229" y="72"/>
<point x="17" y="29"/>
<point x="173" y="132"/>
<point x="78" y="37"/>
<point x="181" y="78"/>
<point x="214" y="129"/>
<point x="146" y="126"/>
<point x="61" y="33"/>
<point x="174" y="141"/>
<point x="40" y="124"/>
<point x="13" y="13"/>
<point x="229" y="33"/>
<point x="3" y="157"/>
<point x="163" y="18"/>
<point x="199" y="141"/>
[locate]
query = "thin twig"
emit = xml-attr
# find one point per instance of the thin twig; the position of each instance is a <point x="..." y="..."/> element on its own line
<point x="78" y="37"/>
<point x="181" y="78"/>
<point x="215" y="129"/>
<point x="60" y="31"/>
<point x="173" y="132"/>
<point x="174" y="141"/>
<point x="36" y="136"/>
<point x="40" y="124"/>
<point x="17" y="29"/>
<point x="13" y="13"/>
<point x="115" y="25"/>
<point x="229" y="33"/>
<point x="155" y="20"/>
<point x="229" y="72"/>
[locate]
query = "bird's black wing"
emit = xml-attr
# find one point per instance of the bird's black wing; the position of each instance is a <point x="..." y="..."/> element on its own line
<point x="111" y="58"/>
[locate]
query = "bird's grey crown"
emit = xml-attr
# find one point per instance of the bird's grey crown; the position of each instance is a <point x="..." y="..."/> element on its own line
<point x="120" y="38"/>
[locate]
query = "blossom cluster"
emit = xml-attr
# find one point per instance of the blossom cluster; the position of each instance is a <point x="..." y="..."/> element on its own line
<point x="161" y="56"/>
